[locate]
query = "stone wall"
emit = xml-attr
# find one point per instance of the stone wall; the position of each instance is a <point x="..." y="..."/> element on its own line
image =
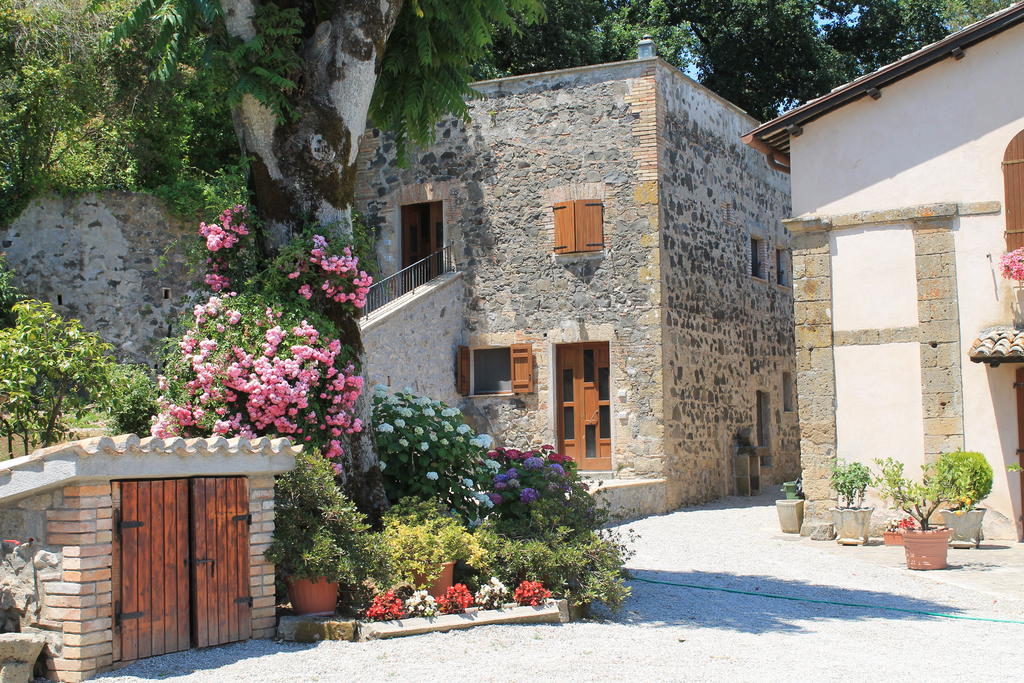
<point x="727" y="334"/>
<point x="534" y="141"/>
<point x="411" y="343"/>
<point x="111" y="260"/>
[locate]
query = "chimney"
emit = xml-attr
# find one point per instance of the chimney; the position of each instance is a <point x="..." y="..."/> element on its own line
<point x="646" y="49"/>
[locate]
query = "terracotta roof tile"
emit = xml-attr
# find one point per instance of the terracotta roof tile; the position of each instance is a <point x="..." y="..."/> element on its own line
<point x="998" y="344"/>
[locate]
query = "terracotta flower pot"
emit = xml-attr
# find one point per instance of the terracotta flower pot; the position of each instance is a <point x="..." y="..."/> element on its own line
<point x="926" y="549"/>
<point x="966" y="527"/>
<point x="440" y="584"/>
<point x="893" y="537"/>
<point x="313" y="597"/>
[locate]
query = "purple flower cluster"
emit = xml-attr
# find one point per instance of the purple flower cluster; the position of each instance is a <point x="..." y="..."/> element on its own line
<point x="524" y="477"/>
<point x="529" y="495"/>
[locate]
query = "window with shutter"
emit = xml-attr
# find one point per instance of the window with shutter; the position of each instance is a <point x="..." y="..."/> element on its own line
<point x="589" y="225"/>
<point x="579" y="226"/>
<point x="522" y="368"/>
<point x="462" y="370"/>
<point x="1013" y="182"/>
<point x="565" y="227"/>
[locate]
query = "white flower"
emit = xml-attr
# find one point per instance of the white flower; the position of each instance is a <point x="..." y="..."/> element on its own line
<point x="407" y="390"/>
<point x="448" y="427"/>
<point x="383" y="465"/>
<point x="421" y="604"/>
<point x="429" y="412"/>
<point x="433" y="436"/>
<point x="399" y="422"/>
<point x="460" y="439"/>
<point x="444" y="442"/>
<point x="449" y="412"/>
<point x="418" y="431"/>
<point x="385" y="427"/>
<point x="492" y="464"/>
<point x="486" y="439"/>
<point x="432" y="476"/>
<point x="405" y="412"/>
<point x="424" y="446"/>
<point x="468" y="482"/>
<point x="463" y="428"/>
<point x="403" y="442"/>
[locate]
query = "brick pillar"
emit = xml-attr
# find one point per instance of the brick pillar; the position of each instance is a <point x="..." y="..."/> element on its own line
<point x="815" y="377"/>
<point x="261" y="571"/>
<point x="81" y="602"/>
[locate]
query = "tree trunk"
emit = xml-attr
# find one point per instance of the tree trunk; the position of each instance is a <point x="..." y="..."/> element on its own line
<point x="304" y="169"/>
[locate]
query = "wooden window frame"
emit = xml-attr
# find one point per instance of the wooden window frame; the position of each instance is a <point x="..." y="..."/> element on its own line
<point x="761" y="273"/>
<point x="522" y="373"/>
<point x="578" y="226"/>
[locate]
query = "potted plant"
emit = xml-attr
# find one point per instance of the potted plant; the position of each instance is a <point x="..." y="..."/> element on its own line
<point x="894" y="532"/>
<point x="925" y="547"/>
<point x="423" y="544"/>
<point x="969" y="479"/>
<point x="319" y="537"/>
<point x="851" y="519"/>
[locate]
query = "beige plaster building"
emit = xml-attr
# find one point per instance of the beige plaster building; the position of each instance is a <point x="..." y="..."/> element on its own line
<point x="907" y="189"/>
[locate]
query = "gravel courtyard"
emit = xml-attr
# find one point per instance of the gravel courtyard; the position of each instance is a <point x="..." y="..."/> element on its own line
<point x="673" y="633"/>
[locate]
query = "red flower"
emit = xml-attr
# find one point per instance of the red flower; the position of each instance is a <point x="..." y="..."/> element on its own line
<point x="531" y="593"/>
<point x="385" y="606"/>
<point x="455" y="600"/>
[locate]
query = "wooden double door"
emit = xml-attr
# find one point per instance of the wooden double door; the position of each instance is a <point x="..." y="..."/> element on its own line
<point x="181" y="565"/>
<point x="583" y="405"/>
<point x="422" y="231"/>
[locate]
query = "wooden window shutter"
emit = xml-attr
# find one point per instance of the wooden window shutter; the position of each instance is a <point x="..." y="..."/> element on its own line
<point x="565" y="227"/>
<point x="522" y="368"/>
<point x="1013" y="183"/>
<point x="589" y="225"/>
<point x="462" y="370"/>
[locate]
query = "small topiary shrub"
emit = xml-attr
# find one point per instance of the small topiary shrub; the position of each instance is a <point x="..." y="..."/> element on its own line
<point x="968" y="477"/>
<point x="850" y="480"/>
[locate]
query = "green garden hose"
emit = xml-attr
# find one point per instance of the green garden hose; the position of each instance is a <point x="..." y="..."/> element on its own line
<point x="826" y="602"/>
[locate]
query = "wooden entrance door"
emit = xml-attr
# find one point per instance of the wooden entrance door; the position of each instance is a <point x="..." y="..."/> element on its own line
<point x="583" y="406"/>
<point x="1019" y="387"/>
<point x="422" y="231"/>
<point x="182" y="565"/>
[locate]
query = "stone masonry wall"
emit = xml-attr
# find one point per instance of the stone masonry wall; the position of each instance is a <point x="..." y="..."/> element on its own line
<point x="110" y="260"/>
<point x="727" y="334"/>
<point x="532" y="142"/>
<point x="414" y="344"/>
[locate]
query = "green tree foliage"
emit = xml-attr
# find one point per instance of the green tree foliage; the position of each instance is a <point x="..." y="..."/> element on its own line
<point x="132" y="400"/>
<point x="78" y="114"/>
<point x="50" y="369"/>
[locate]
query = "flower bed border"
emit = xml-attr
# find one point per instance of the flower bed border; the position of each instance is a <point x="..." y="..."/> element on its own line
<point x="551" y="612"/>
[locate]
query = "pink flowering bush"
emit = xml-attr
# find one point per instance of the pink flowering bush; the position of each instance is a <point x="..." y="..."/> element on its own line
<point x="244" y="369"/>
<point x="260" y="356"/>
<point x="1012" y="265"/>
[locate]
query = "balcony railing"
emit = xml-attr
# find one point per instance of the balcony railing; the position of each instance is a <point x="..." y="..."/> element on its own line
<point x="409" y="278"/>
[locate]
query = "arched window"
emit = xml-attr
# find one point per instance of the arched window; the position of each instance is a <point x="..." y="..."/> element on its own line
<point x="1013" y="181"/>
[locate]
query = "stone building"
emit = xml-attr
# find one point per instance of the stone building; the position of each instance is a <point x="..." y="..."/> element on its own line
<point x="907" y="189"/>
<point x="595" y="261"/>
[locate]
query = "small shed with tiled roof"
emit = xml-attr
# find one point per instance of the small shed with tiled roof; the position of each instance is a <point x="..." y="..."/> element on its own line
<point x="118" y="548"/>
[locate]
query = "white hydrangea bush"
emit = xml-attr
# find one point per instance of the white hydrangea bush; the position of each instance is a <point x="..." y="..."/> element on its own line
<point x="428" y="451"/>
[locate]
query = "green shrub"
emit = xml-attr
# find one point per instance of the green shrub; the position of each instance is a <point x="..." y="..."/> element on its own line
<point x="850" y="480"/>
<point x="317" y="530"/>
<point x="582" y="568"/>
<point x="419" y="536"/>
<point x="968" y="477"/>
<point x="428" y="452"/>
<point x="9" y="294"/>
<point x="133" y="400"/>
<point x="51" y="369"/>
